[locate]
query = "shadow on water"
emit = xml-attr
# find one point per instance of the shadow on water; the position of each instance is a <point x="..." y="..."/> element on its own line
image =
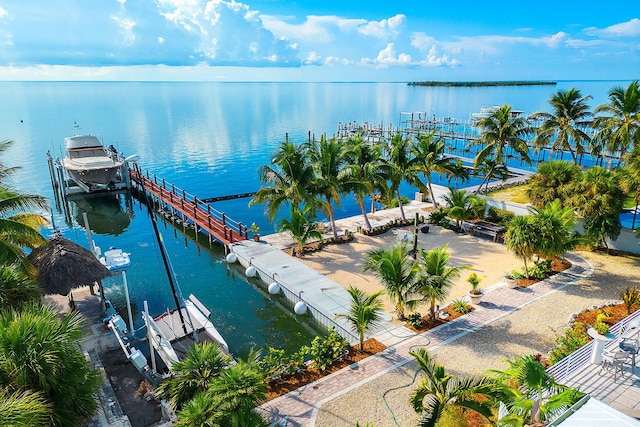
<point x="105" y="213"/>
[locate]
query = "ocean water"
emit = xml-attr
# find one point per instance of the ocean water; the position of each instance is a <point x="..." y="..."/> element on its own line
<point x="209" y="139"/>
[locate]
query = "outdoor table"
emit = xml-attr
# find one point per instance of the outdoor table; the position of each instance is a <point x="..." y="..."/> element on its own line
<point x="599" y="342"/>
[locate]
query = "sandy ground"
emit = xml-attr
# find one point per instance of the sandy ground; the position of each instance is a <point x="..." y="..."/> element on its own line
<point x="343" y="263"/>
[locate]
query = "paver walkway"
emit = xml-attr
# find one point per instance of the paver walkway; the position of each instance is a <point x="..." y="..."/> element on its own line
<point x="299" y="408"/>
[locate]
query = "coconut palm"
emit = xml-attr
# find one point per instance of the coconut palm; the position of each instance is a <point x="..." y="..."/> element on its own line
<point x="439" y="392"/>
<point x="501" y="131"/>
<point x="535" y="396"/>
<point x="555" y="225"/>
<point x="301" y="228"/>
<point x="16" y="287"/>
<point x="491" y="169"/>
<point x="285" y="181"/>
<point x="40" y="351"/>
<point x="551" y="182"/>
<point x="522" y="238"/>
<point x="459" y="204"/>
<point x="436" y="276"/>
<point x="400" y="167"/>
<point x="397" y="272"/>
<point x="24" y="409"/>
<point x="192" y="375"/>
<point x="619" y="124"/>
<point x="564" y="128"/>
<point x="429" y="157"/>
<point x="364" y="165"/>
<point x="364" y="313"/>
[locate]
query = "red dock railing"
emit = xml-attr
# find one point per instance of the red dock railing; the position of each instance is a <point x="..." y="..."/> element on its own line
<point x="203" y="217"/>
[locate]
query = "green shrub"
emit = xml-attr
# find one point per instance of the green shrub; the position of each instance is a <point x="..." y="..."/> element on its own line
<point x="541" y="269"/>
<point x="460" y="306"/>
<point x="325" y="350"/>
<point x="414" y="319"/>
<point x="439" y="217"/>
<point x="601" y="327"/>
<point x="499" y="216"/>
<point x="568" y="342"/>
<point x="630" y="298"/>
<point x="272" y="363"/>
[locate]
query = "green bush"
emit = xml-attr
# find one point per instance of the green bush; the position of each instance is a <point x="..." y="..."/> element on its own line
<point x="439" y="217"/>
<point x="541" y="269"/>
<point x="414" y="319"/>
<point x="499" y="216"/>
<point x="460" y="306"/>
<point x="568" y="342"/>
<point x="601" y="327"/>
<point x="630" y="298"/>
<point x="325" y="350"/>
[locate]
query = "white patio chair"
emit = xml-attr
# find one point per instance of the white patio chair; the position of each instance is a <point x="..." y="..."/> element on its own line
<point x="614" y="361"/>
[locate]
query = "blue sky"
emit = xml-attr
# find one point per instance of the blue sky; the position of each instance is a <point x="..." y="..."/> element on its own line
<point x="276" y="40"/>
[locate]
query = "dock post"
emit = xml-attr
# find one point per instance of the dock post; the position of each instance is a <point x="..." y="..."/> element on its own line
<point x="224" y="218"/>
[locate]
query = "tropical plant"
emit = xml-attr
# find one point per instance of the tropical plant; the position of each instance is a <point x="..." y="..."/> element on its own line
<point x="522" y="238"/>
<point x="568" y="342"/>
<point x="301" y="227"/>
<point x="436" y="276"/>
<point x="285" y="181"/>
<point x="326" y="350"/>
<point x="439" y="217"/>
<point x="489" y="169"/>
<point x="460" y="306"/>
<point x="534" y="394"/>
<point x="192" y="375"/>
<point x="555" y="224"/>
<point x="400" y="166"/>
<point x="630" y="298"/>
<point x="619" y="125"/>
<point x="551" y="182"/>
<point x="16" y="287"/>
<point x="40" y="351"/>
<point x="599" y="325"/>
<point x="501" y="132"/>
<point x="364" y="313"/>
<point x="460" y="205"/>
<point x="397" y="273"/>
<point x="564" y="128"/>
<point x="415" y="319"/>
<point x="429" y="158"/>
<point x="439" y="392"/>
<point x="630" y="178"/>
<point x="24" y="409"/>
<point x="474" y="280"/>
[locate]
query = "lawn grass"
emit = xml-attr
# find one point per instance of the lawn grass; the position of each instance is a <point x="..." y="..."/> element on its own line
<point x="516" y="194"/>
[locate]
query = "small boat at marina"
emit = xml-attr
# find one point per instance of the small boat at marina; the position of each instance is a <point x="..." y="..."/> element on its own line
<point x="114" y="259"/>
<point x="92" y="166"/>
<point x="487" y="111"/>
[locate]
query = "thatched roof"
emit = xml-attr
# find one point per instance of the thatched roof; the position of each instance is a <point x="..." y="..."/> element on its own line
<point x="63" y="265"/>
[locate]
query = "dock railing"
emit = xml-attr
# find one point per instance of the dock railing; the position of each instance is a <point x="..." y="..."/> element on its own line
<point x="579" y="358"/>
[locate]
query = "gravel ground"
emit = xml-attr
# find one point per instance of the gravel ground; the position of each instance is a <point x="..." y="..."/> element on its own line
<point x="531" y="329"/>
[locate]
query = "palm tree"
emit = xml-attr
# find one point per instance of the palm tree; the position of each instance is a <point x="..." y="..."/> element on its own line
<point x="301" y="228"/>
<point x="630" y="179"/>
<point x="489" y="168"/>
<point x="40" y="351"/>
<point x="329" y="181"/>
<point x="522" y="238"/>
<point x="436" y="276"/>
<point x="439" y="391"/>
<point x="619" y="127"/>
<point x="400" y="167"/>
<point x="16" y="287"/>
<point x="364" y="165"/>
<point x="596" y="191"/>
<point x="192" y="375"/>
<point x="24" y="409"/>
<point x="429" y="157"/>
<point x="364" y="313"/>
<point x="563" y="129"/>
<point x="398" y="273"/>
<point x="555" y="224"/>
<point x="535" y="394"/>
<point x="286" y="181"/>
<point x="551" y="182"/>
<point x="501" y="131"/>
<point x="459" y="204"/>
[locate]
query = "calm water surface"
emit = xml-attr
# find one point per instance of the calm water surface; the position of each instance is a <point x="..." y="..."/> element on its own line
<point x="209" y="139"/>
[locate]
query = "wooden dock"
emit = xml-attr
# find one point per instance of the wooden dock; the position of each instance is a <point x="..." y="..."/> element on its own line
<point x="189" y="209"/>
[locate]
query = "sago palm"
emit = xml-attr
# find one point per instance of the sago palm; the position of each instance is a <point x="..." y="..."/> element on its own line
<point x="364" y="313"/>
<point x="397" y="272"/>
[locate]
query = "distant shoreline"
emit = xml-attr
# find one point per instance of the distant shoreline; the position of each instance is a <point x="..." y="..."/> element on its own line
<point x="480" y="84"/>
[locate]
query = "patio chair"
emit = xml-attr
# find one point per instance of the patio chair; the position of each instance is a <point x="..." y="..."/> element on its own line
<point x="631" y="345"/>
<point x="614" y="361"/>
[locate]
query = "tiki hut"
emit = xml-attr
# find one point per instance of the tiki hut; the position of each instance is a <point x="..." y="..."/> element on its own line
<point x="63" y="265"/>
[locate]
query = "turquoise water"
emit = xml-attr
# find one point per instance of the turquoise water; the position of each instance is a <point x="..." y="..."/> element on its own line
<point x="209" y="139"/>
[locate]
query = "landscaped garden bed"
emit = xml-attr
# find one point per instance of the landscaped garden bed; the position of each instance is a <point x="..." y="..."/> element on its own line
<point x="557" y="265"/>
<point x="426" y="322"/>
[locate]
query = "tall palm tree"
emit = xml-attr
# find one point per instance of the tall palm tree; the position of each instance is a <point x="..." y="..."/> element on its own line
<point x="619" y="125"/>
<point x="192" y="375"/>
<point x="439" y="391"/>
<point x="286" y="179"/>
<point x="301" y="228"/>
<point x="364" y="313"/>
<point x="535" y="394"/>
<point x="24" y="409"/>
<point x="329" y="181"/>
<point x="459" y="204"/>
<point x="16" y="287"/>
<point x="40" y="351"/>
<point x="551" y="182"/>
<point x="436" y="276"/>
<point x="400" y="166"/>
<point x="522" y="238"/>
<point x="397" y="272"/>
<point x="564" y="128"/>
<point x="364" y="165"/>
<point x="489" y="168"/>
<point x="429" y="157"/>
<point x="501" y="131"/>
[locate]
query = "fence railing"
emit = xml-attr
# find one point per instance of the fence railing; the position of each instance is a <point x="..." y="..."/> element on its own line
<point x="579" y="358"/>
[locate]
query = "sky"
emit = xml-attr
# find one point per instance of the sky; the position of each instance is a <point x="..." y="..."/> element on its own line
<point x="328" y="40"/>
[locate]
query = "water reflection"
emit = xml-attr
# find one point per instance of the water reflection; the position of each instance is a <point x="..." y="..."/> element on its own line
<point x="105" y="213"/>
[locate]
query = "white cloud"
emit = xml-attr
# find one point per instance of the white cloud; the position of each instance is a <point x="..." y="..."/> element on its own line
<point x="312" y="59"/>
<point x="383" y="29"/>
<point x="126" y="29"/>
<point x="434" y="58"/>
<point x="630" y="28"/>
<point x="323" y="29"/>
<point x="3" y="12"/>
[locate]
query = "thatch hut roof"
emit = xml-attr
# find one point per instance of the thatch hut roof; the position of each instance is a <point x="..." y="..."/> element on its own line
<point x="63" y="265"/>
